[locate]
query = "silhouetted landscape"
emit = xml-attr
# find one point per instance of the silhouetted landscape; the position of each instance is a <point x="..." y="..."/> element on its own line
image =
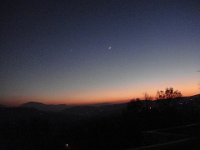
<point x="100" y="75"/>
<point x="138" y="123"/>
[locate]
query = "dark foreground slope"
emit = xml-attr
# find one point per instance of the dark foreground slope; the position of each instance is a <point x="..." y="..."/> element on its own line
<point x="123" y="126"/>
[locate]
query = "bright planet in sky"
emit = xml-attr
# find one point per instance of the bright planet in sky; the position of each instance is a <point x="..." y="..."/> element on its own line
<point x="97" y="51"/>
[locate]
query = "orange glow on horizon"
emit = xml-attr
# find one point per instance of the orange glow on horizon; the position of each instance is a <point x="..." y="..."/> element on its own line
<point x="112" y="95"/>
<point x="94" y="98"/>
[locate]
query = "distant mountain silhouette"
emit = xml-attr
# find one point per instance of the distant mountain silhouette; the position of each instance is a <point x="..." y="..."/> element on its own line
<point x="84" y="111"/>
<point x="95" y="110"/>
<point x="44" y="107"/>
<point x="89" y="110"/>
<point x="38" y="126"/>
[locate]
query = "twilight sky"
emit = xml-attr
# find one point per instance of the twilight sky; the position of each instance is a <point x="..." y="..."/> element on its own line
<point x="88" y="51"/>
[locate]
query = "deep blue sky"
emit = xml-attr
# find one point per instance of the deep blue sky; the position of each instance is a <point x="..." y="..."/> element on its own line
<point x="75" y="51"/>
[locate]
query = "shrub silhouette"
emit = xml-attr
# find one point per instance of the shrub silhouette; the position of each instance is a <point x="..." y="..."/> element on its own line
<point x="169" y="93"/>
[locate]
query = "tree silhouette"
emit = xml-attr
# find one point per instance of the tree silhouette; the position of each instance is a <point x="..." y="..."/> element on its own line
<point x="147" y="96"/>
<point x="169" y="93"/>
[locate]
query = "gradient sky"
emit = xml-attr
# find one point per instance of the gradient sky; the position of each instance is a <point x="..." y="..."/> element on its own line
<point x="87" y="51"/>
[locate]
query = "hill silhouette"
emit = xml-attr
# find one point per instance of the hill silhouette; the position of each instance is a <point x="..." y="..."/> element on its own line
<point x="44" y="107"/>
<point x="113" y="126"/>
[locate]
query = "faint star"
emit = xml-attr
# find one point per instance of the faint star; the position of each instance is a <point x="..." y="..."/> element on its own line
<point x="110" y="47"/>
